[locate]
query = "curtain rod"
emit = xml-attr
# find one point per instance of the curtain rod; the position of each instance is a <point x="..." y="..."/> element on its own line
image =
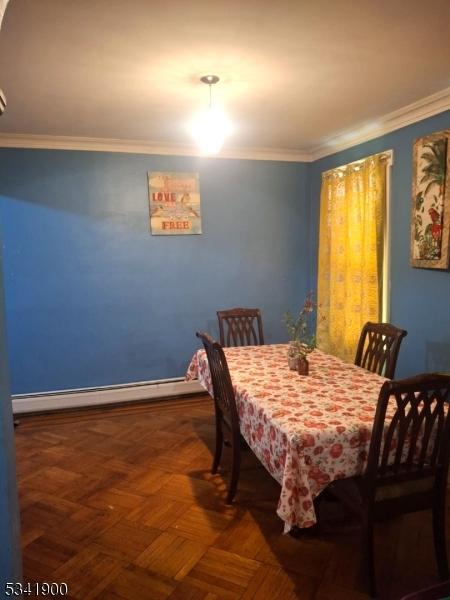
<point x="387" y="154"/>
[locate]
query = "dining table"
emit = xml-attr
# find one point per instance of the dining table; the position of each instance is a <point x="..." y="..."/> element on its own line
<point x="306" y="430"/>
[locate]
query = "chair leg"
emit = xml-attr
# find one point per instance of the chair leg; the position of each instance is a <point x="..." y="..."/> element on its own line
<point x="439" y="537"/>
<point x="368" y="555"/>
<point x="219" y="445"/>
<point x="235" y="470"/>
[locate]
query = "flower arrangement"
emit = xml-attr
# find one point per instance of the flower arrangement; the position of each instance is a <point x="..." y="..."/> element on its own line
<point x="302" y="342"/>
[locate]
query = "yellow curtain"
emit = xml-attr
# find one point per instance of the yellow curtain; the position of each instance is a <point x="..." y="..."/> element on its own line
<point x="352" y="208"/>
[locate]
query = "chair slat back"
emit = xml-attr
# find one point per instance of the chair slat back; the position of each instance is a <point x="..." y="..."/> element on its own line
<point x="378" y="348"/>
<point x="240" y="327"/>
<point x="411" y="433"/>
<point x="221" y="379"/>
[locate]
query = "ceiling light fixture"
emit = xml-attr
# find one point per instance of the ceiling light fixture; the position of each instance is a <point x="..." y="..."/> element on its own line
<point x="210" y="127"/>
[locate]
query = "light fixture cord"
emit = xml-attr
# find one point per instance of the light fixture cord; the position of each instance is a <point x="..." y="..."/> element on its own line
<point x="210" y="96"/>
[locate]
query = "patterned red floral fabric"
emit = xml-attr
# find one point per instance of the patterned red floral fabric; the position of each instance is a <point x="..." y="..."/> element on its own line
<point x="306" y="430"/>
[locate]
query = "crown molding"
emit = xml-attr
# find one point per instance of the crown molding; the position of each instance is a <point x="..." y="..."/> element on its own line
<point x="53" y="142"/>
<point x="426" y="107"/>
<point x="412" y="113"/>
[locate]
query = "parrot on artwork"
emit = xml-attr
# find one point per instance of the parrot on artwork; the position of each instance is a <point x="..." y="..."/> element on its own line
<point x="434" y="228"/>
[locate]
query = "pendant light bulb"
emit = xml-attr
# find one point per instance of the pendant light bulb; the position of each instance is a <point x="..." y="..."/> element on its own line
<point x="210" y="127"/>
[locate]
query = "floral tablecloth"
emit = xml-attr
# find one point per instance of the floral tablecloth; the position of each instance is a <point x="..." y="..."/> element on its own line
<point x="306" y="431"/>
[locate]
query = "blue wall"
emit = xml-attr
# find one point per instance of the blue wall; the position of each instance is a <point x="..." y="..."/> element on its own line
<point x="420" y="298"/>
<point x="93" y="299"/>
<point x="10" y="558"/>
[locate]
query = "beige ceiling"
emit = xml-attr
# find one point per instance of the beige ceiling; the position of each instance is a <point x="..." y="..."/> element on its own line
<point x="293" y="73"/>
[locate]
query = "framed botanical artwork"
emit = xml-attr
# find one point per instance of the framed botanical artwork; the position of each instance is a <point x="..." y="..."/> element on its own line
<point x="430" y="222"/>
<point x="174" y="203"/>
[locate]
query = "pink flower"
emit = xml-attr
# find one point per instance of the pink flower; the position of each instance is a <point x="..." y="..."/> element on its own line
<point x="354" y="441"/>
<point x="307" y="440"/>
<point x="336" y="450"/>
<point x="259" y="432"/>
<point x="315" y="424"/>
<point x="318" y="475"/>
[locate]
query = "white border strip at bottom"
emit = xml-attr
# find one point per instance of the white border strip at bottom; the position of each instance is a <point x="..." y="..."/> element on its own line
<point x="30" y="403"/>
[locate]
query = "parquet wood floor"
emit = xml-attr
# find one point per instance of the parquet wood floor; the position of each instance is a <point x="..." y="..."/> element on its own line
<point x="120" y="504"/>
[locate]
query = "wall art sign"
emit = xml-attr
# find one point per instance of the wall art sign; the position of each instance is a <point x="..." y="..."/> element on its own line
<point x="430" y="223"/>
<point x="174" y="203"/>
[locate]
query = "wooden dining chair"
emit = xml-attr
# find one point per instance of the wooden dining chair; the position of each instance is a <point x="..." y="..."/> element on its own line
<point x="227" y="415"/>
<point x="378" y="347"/>
<point x="407" y="462"/>
<point x="240" y="327"/>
